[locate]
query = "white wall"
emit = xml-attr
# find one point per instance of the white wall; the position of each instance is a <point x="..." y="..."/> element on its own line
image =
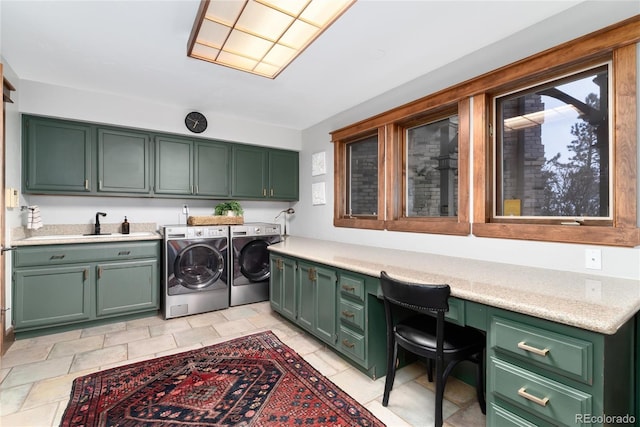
<point x="314" y="221"/>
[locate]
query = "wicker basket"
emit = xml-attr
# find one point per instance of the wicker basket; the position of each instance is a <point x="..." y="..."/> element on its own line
<point x="215" y="220"/>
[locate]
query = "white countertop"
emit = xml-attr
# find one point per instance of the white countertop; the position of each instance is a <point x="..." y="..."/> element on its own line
<point x="596" y="303"/>
<point x="79" y="238"/>
<point x="57" y="234"/>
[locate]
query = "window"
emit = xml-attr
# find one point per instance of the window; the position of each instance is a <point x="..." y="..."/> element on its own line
<point x="362" y="177"/>
<point x="553" y="150"/>
<point x="359" y="186"/>
<point x="582" y="189"/>
<point x="431" y="169"/>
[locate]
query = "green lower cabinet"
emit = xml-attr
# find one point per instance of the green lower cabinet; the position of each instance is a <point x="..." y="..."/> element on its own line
<point x="57" y="286"/>
<point x="544" y="373"/>
<point x="282" y="286"/>
<point x="127" y="287"/>
<point x="338" y="307"/>
<point x="317" y="301"/>
<point x="51" y="296"/>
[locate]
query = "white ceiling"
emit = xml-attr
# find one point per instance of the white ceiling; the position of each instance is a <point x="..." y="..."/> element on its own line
<point x="138" y="49"/>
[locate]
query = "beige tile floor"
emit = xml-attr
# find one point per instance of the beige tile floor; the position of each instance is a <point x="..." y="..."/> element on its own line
<point x="36" y="374"/>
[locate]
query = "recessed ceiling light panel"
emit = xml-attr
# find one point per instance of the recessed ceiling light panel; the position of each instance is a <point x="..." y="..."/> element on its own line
<point x="260" y="36"/>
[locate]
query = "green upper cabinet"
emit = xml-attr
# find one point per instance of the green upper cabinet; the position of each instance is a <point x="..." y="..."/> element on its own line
<point x="212" y="168"/>
<point x="249" y="172"/>
<point x="195" y="168"/>
<point x="264" y="173"/>
<point x="174" y="166"/>
<point x="56" y="156"/>
<point x="283" y="175"/>
<point x="67" y="157"/>
<point x="123" y="161"/>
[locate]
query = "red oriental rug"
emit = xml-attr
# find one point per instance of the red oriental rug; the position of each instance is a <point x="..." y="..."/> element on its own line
<point x="250" y="381"/>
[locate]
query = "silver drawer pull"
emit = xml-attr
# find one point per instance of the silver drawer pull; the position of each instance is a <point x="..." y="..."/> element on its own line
<point x="348" y="288"/>
<point x="346" y="313"/>
<point x="542" y="402"/>
<point x="540" y="352"/>
<point x="57" y="257"/>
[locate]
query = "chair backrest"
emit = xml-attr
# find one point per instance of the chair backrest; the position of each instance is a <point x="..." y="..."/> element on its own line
<point x="415" y="296"/>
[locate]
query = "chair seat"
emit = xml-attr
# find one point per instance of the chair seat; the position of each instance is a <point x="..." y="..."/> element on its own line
<point x="420" y="333"/>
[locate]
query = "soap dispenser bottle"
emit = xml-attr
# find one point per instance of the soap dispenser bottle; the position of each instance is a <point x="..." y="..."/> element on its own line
<point x="125" y="226"/>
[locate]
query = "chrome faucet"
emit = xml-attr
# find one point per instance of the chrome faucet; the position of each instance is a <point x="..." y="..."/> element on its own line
<point x="96" y="230"/>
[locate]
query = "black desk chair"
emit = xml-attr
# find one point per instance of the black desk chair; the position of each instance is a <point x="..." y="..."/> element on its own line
<point x="427" y="334"/>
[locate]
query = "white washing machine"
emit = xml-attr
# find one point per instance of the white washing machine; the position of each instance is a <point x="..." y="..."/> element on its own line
<point x="195" y="269"/>
<point x="250" y="270"/>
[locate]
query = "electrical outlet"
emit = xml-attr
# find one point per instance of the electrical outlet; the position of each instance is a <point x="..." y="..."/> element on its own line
<point x="593" y="259"/>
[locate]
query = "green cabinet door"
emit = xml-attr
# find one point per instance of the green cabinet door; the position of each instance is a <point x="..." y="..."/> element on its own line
<point x="275" y="282"/>
<point x="289" y="286"/>
<point x="123" y="162"/>
<point x="56" y="156"/>
<point x="51" y="296"/>
<point x="326" y="285"/>
<point x="282" y="286"/>
<point x="173" y="166"/>
<point x="249" y="178"/>
<point x="306" y="296"/>
<point x="317" y="301"/>
<point x="126" y="287"/>
<point x="283" y="175"/>
<point x="212" y="169"/>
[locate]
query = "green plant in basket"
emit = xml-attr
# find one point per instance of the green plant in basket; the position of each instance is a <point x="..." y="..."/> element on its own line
<point x="233" y="206"/>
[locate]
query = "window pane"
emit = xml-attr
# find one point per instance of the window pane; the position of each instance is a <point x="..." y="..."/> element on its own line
<point x="362" y="177"/>
<point x="432" y="169"/>
<point x="553" y="149"/>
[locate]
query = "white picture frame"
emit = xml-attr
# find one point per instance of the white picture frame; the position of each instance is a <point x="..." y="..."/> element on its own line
<point x="318" y="163"/>
<point x="318" y="194"/>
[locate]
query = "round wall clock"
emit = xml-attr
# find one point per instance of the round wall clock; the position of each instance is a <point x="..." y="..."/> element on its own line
<point x="195" y="122"/>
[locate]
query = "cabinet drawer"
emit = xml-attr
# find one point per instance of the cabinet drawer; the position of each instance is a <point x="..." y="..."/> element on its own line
<point x="351" y="343"/>
<point x="69" y="254"/>
<point x="456" y="311"/>
<point x="550" y="399"/>
<point x="350" y="285"/>
<point x="560" y="353"/>
<point x="352" y="313"/>
<point x="497" y="416"/>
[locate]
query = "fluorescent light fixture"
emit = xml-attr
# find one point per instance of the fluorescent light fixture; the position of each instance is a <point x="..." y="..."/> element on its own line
<point x="537" y="118"/>
<point x="260" y="36"/>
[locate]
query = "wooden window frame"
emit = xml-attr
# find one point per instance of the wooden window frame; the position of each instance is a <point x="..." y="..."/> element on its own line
<point x="341" y="217"/>
<point x="580" y="53"/>
<point x="396" y="168"/>
<point x="616" y="43"/>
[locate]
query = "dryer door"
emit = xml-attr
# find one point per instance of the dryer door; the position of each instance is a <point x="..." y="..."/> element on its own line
<point x="199" y="266"/>
<point x="254" y="261"/>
